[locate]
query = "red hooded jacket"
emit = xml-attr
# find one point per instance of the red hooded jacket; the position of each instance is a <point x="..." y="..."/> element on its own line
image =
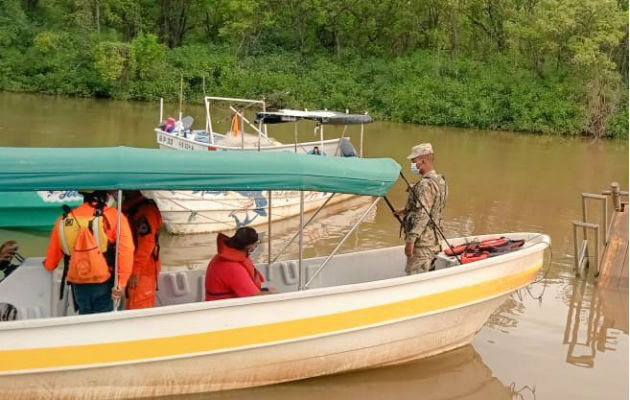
<point x="231" y="273"/>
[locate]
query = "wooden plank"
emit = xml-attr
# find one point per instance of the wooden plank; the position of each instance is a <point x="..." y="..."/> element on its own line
<point x="614" y="266"/>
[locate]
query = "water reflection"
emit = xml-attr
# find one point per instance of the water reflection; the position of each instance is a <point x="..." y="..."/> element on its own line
<point x="498" y="182"/>
<point x="507" y="316"/>
<point x="459" y="374"/>
<point x="595" y="318"/>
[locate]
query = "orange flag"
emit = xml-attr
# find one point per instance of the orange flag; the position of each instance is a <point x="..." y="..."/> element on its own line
<point x="235" y="125"/>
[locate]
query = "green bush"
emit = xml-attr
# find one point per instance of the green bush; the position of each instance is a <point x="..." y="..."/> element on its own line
<point x="421" y="87"/>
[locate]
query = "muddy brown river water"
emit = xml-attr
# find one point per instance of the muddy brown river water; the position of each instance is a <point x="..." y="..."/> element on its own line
<point x="570" y="344"/>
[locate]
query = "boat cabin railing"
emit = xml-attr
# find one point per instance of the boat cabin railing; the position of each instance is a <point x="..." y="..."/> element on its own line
<point x="257" y="129"/>
<point x="260" y="126"/>
<point x="262" y="129"/>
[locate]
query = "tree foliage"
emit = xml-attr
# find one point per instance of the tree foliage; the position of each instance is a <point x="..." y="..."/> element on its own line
<point x="556" y="66"/>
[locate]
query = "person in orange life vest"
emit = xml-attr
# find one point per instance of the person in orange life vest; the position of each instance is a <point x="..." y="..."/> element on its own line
<point x="231" y="272"/>
<point x="145" y="221"/>
<point x="92" y="297"/>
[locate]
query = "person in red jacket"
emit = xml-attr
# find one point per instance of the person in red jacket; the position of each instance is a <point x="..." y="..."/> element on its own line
<point x="145" y="221"/>
<point x="231" y="272"/>
<point x="93" y="297"/>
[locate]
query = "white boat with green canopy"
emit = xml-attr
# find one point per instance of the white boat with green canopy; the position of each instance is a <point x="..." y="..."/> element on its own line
<point x="331" y="314"/>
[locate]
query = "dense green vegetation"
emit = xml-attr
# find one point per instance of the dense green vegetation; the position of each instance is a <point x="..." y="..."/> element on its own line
<point x="554" y="66"/>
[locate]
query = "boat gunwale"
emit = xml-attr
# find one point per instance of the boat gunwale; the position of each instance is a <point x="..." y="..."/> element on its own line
<point x="254" y="147"/>
<point x="279" y="297"/>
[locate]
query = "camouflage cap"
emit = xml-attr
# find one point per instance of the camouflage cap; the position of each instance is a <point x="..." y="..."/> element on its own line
<point x="422" y="149"/>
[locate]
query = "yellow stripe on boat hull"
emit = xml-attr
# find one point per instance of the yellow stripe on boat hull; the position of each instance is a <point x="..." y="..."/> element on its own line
<point x="24" y="360"/>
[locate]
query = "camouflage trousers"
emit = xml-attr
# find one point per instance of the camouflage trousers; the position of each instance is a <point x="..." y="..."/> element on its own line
<point x="422" y="258"/>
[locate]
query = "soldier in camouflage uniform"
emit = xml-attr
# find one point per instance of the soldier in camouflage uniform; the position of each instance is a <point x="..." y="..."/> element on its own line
<point x="422" y="241"/>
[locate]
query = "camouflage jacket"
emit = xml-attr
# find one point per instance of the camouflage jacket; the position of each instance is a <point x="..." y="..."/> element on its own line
<point x="432" y="190"/>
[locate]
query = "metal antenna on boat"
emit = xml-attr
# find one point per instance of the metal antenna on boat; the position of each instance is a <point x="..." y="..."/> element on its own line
<point x="181" y="94"/>
<point x="430" y="218"/>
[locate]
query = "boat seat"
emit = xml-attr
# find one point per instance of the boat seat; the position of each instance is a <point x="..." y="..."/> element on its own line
<point x="179" y="287"/>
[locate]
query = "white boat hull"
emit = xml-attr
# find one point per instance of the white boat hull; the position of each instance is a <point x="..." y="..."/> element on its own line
<point x="363" y="312"/>
<point x="367" y="348"/>
<point x="174" y="141"/>
<point x="185" y="212"/>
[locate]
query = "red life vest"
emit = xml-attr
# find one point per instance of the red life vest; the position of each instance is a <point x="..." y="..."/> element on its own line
<point x="476" y="251"/>
<point x="226" y="254"/>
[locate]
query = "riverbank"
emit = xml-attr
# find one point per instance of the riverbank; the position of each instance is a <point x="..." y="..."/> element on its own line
<point x="421" y="88"/>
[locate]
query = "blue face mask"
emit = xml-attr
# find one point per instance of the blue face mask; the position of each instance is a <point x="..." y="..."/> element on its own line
<point x="414" y="168"/>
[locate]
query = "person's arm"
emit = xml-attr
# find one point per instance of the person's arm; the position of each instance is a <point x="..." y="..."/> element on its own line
<point x="145" y="232"/>
<point x="425" y="192"/>
<point x="54" y="253"/>
<point x="240" y="282"/>
<point x="125" y="252"/>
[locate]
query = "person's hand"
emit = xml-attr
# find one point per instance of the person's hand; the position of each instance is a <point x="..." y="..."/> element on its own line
<point x="117" y="294"/>
<point x="399" y="212"/>
<point x="7" y="250"/>
<point x="133" y="281"/>
<point x="409" y="248"/>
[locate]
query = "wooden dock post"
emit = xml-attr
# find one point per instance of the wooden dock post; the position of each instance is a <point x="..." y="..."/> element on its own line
<point x="611" y="263"/>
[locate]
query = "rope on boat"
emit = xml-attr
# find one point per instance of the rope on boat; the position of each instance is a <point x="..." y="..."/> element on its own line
<point x="193" y="213"/>
<point x="542" y="278"/>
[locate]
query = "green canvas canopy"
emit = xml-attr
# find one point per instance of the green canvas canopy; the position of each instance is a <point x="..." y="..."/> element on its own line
<point x="23" y="169"/>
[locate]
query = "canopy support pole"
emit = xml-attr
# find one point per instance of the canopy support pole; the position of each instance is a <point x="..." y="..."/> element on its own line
<point x="119" y="213"/>
<point x="301" y="243"/>
<point x="254" y="127"/>
<point x="261" y="124"/>
<point x="321" y="267"/>
<point x="305" y="225"/>
<point x="181" y="94"/>
<point x="361" y="143"/>
<point x="269" y="236"/>
<point x="242" y="132"/>
<point x="321" y="139"/>
<point x="161" y="109"/>
<point x="209" y="120"/>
